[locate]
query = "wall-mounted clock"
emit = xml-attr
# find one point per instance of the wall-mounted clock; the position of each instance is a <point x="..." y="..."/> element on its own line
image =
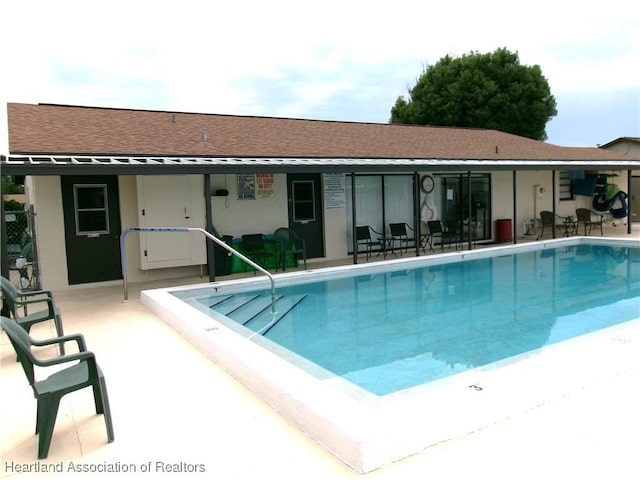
<point x="427" y="183"/>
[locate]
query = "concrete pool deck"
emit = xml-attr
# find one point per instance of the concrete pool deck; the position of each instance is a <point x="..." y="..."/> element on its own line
<point x="165" y="413"/>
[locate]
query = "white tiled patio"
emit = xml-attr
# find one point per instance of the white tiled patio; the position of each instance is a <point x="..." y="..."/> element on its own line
<point x="173" y="407"/>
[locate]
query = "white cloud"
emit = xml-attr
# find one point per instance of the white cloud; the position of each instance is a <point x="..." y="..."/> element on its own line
<point x="343" y="60"/>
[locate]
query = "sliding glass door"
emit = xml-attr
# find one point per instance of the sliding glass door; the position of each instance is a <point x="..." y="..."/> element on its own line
<point x="465" y="203"/>
<point x="380" y="200"/>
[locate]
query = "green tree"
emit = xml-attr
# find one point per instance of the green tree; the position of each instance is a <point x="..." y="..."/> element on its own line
<point x="489" y="90"/>
<point x="8" y="185"/>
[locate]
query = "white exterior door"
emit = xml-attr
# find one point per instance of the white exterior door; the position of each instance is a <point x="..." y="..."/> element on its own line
<point x="171" y="201"/>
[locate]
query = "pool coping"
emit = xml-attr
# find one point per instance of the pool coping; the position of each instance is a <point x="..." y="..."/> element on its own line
<point x="367" y="432"/>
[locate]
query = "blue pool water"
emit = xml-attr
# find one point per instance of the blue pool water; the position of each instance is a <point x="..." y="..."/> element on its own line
<point x="390" y="331"/>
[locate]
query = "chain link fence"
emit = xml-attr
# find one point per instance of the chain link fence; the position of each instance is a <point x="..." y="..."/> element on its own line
<point x="21" y="248"/>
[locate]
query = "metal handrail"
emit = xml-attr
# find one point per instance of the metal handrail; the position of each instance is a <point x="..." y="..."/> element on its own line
<point x="206" y="234"/>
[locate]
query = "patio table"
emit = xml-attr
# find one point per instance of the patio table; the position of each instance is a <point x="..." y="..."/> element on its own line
<point x="388" y="245"/>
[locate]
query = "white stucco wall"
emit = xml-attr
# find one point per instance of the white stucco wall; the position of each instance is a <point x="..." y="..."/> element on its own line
<point x="263" y="215"/>
<point x="45" y="194"/>
<point x="237" y="217"/>
<point x="335" y="234"/>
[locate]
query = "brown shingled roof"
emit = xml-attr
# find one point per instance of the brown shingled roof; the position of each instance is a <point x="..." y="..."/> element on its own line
<point x="71" y="130"/>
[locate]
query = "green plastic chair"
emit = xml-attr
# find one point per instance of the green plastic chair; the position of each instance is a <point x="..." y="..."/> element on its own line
<point x="290" y="243"/>
<point x="49" y="392"/>
<point x="18" y="302"/>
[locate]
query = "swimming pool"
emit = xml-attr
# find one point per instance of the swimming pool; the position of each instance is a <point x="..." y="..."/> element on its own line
<point x="332" y="363"/>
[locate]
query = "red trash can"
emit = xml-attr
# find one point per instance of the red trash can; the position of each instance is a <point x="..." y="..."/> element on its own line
<point x="503" y="230"/>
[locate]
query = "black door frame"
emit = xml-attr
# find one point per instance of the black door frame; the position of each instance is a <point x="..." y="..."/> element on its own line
<point x="312" y="231"/>
<point x="92" y="257"/>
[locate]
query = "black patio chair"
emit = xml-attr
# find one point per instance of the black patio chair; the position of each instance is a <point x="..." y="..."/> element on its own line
<point x="254" y="247"/>
<point x="440" y="229"/>
<point x="364" y="239"/>
<point x="588" y="219"/>
<point x="399" y="234"/>
<point x="553" y="220"/>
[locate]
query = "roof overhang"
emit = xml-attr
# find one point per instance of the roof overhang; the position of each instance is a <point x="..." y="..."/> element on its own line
<point x="151" y="165"/>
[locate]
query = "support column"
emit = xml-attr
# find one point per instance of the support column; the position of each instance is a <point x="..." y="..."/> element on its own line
<point x="416" y="212"/>
<point x="469" y="210"/>
<point x="353" y="218"/>
<point x="553" y="199"/>
<point x="629" y="193"/>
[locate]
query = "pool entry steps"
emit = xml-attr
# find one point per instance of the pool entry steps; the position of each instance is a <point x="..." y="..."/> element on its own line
<point x="254" y="310"/>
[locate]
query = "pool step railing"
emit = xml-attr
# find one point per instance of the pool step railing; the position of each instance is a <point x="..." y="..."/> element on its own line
<point x="210" y="236"/>
<point x="253" y="311"/>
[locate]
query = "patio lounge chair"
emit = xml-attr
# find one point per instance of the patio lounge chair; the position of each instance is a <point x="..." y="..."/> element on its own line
<point x="19" y="301"/>
<point x="48" y="392"/>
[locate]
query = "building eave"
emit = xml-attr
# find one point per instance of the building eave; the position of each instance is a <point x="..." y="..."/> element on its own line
<point x="155" y="165"/>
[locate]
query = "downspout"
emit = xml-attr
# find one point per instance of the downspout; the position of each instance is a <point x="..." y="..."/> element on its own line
<point x="211" y="265"/>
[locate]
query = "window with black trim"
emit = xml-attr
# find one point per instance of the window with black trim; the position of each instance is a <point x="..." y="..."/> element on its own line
<point x="304" y="207"/>
<point x="565" y="190"/>
<point x="92" y="211"/>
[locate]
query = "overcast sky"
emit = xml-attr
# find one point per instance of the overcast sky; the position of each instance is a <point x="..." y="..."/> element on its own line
<point x="332" y="60"/>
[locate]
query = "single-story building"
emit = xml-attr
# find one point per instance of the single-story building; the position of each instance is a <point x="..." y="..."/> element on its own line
<point x="91" y="173"/>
